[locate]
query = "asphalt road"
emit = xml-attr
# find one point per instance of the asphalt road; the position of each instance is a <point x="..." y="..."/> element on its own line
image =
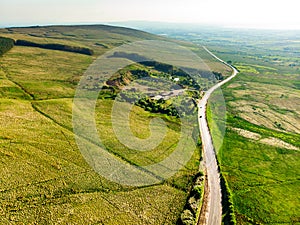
<point x="214" y="207"/>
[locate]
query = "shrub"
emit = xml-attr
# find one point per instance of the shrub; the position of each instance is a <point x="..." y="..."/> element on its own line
<point x="187" y="218"/>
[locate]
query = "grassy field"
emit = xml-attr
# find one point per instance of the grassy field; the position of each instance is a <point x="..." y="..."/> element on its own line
<point x="262" y="167"/>
<point x="44" y="178"/>
<point x="259" y="157"/>
<point x="260" y="153"/>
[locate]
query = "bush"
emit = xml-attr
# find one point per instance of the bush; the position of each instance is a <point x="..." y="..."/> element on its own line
<point x="219" y="76"/>
<point x="197" y="191"/>
<point x="187" y="218"/>
<point x="6" y="44"/>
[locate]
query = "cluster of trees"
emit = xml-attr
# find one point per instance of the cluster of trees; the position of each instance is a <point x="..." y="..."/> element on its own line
<point x="219" y="76"/>
<point x="107" y="92"/>
<point x="60" y="47"/>
<point x="166" y="69"/>
<point x="6" y="44"/>
<point x="173" y="108"/>
<point x="185" y="79"/>
<point x="191" y="208"/>
<point x="137" y="74"/>
<point x="157" y="106"/>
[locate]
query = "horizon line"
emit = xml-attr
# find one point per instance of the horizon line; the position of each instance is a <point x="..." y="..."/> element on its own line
<point x="123" y="23"/>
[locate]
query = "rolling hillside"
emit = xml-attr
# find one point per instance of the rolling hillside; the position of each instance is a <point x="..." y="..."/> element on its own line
<point x="44" y="178"/>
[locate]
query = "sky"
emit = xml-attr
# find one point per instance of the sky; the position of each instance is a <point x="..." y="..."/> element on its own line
<point x="272" y="14"/>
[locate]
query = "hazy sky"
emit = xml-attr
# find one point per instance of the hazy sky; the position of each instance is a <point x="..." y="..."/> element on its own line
<point x="245" y="13"/>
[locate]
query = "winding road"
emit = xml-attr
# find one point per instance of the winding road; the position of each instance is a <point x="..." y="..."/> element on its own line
<point x="213" y="212"/>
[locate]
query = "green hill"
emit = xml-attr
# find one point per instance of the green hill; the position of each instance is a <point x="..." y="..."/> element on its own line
<point x="95" y="37"/>
<point x="43" y="177"/>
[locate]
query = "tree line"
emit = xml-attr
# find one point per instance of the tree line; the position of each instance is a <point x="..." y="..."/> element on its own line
<point x="59" y="47"/>
<point x="6" y="44"/>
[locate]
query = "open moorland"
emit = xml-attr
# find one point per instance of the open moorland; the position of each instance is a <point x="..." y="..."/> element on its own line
<point x="44" y="178"/>
<point x="260" y="155"/>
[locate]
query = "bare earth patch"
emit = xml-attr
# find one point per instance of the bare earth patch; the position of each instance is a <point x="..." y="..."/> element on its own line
<point x="274" y="106"/>
<point x="269" y="141"/>
<point x="234" y="85"/>
<point x="277" y="143"/>
<point x="247" y="134"/>
<point x="261" y="114"/>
